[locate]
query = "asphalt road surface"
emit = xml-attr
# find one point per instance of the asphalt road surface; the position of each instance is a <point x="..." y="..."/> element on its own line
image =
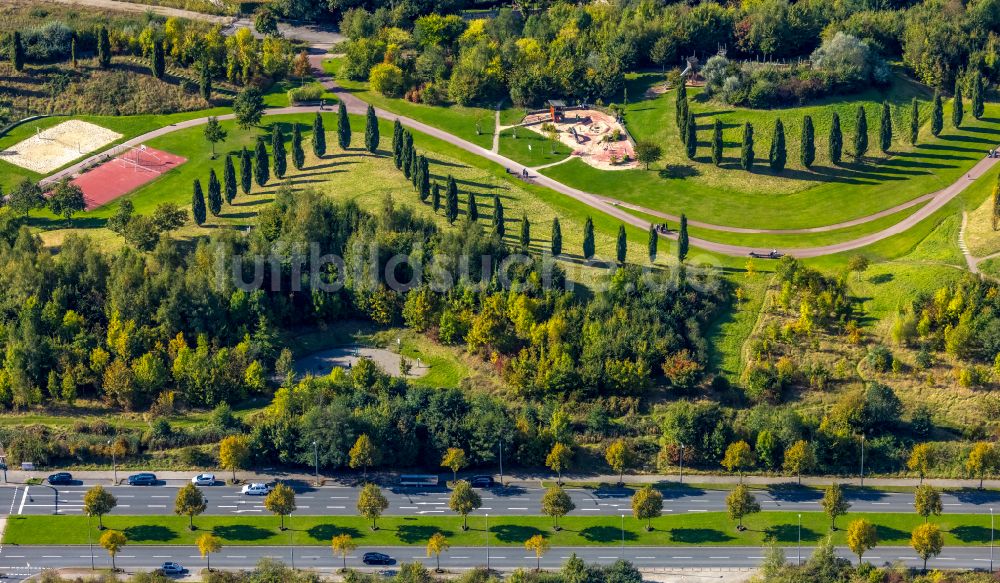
<point x="511" y="500"/>
<point x="19" y="562"/>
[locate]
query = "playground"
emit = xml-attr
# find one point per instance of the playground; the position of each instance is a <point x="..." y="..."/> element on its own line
<point x="129" y="168"/>
<point x="594" y="136"/>
<point x="51" y="149"/>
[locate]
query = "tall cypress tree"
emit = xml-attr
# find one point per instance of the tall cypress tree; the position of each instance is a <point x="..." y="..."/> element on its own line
<point x="214" y="193"/>
<point x="319" y="136"/>
<point x="278" y="154"/>
<point x="343" y="127"/>
<point x="499" y="227"/>
<point x="473" y="208"/>
<point x="957" y="110"/>
<point x="103" y="48"/>
<point x="937" y="115"/>
<point x="397" y="144"/>
<point x="298" y="154"/>
<point x="371" y="131"/>
<point x="682" y="239"/>
<point x="861" y="133"/>
<point x="747" y="153"/>
<point x="685" y="117"/>
<point x="409" y="163"/>
<point x="691" y="141"/>
<point x="885" y="128"/>
<point x="525" y="234"/>
<point x="621" y="248"/>
<point x="836" y="148"/>
<point x="717" y="144"/>
<point x="17" y="51"/>
<point x="229" y="179"/>
<point x="451" y="200"/>
<point x="158" y="64"/>
<point x="777" y="157"/>
<point x="261" y="173"/>
<point x="72" y="51"/>
<point x="996" y="203"/>
<point x="653" y="243"/>
<point x="205" y="81"/>
<point x="978" y="107"/>
<point x="914" y="121"/>
<point x="246" y="170"/>
<point x="588" y="238"/>
<point x="436" y="196"/>
<point x="424" y="185"/>
<point x="680" y="105"/>
<point x="198" y="204"/>
<point x="556" y="246"/>
<point x="807" y="145"/>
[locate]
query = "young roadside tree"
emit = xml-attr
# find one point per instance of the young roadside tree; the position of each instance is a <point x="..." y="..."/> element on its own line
<point x="343" y="127"/>
<point x="198" y="204"/>
<point x="229" y="180"/>
<point x="319" y="136"/>
<point x="836" y="145"/>
<point x="937" y="114"/>
<point x="807" y="144"/>
<point x="860" y="133"/>
<point x="885" y="128"/>
<point x="214" y="133"/>
<point x="190" y="502"/>
<point x="740" y="503"/>
<point x="525" y="238"/>
<point x="343" y="545"/>
<point x="978" y="107"/>
<point x="234" y="454"/>
<point x="539" y="545"/>
<point x="619" y="456"/>
<point x="957" y="109"/>
<point x="499" y="226"/>
<point x="717" y="143"/>
<point x="248" y="107"/>
<point x="799" y="459"/>
<point x="746" y="152"/>
<point x="372" y="503"/>
<point x="454" y="459"/>
<point x="278" y="153"/>
<point x="436" y="545"/>
<point x="113" y="541"/>
<point x="436" y="196"/>
<point x="298" y="154"/>
<point x="927" y="541"/>
<point x="559" y="460"/>
<point x="647" y="504"/>
<point x="451" y="200"/>
<point x="66" y="199"/>
<point x="214" y="193"/>
<point x="691" y="136"/>
<point x="280" y="501"/>
<point x="464" y="500"/>
<point x="921" y="459"/>
<point x="208" y="543"/>
<point x="914" y="121"/>
<point x="103" y="48"/>
<point x="834" y="504"/>
<point x="927" y="501"/>
<point x="739" y="457"/>
<point x="17" y="51"/>
<point x="556" y="246"/>
<point x="98" y="502"/>
<point x="654" y="241"/>
<point x="682" y="239"/>
<point x="621" y="249"/>
<point x="371" y="131"/>
<point x="862" y="536"/>
<point x="261" y="166"/>
<point x="158" y="63"/>
<point x="246" y="171"/>
<point x="362" y="454"/>
<point x="473" y="209"/>
<point x="205" y="81"/>
<point x="556" y="503"/>
<point x="981" y="461"/>
<point x="778" y="156"/>
<point x="588" y="238"/>
<point x="647" y="152"/>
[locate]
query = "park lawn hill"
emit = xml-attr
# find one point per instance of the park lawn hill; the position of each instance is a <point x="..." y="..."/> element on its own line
<point x="689" y="529"/>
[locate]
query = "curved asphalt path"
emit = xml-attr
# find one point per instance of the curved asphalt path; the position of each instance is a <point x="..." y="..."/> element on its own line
<point x="613" y="209"/>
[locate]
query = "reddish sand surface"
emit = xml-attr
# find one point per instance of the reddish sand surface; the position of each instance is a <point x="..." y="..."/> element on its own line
<point x="120" y="176"/>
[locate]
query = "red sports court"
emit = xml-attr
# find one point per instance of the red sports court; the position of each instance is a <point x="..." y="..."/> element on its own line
<point x="130" y="168"/>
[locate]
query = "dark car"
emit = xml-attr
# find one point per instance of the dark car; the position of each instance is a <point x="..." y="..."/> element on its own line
<point x="60" y="478"/>
<point x="142" y="479"/>
<point x="482" y="482"/>
<point x="377" y="559"/>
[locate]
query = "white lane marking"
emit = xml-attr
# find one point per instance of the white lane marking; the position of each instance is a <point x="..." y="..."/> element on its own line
<point x="647" y="558"/>
<point x="51" y="556"/>
<point x="718" y="558"/>
<point x="512" y="508"/>
<point x="680" y="557"/>
<point x="696" y="510"/>
<point x="340" y="507"/>
<point x="880" y="503"/>
<point x="13" y="499"/>
<point x="24" y="497"/>
<point x="157" y="505"/>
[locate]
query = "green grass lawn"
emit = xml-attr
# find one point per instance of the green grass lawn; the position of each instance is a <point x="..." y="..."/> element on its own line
<point x="531" y="148"/>
<point x="709" y="528"/>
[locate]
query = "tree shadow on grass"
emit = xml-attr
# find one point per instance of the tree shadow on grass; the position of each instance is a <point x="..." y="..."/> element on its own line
<point x="698" y="535"/>
<point x="785" y="533"/>
<point x="415" y="533"/>
<point x="971" y="534"/>
<point x="888" y="533"/>
<point x="242" y="532"/>
<point x="606" y="534"/>
<point x="679" y="171"/>
<point x="514" y="533"/>
<point x="149" y="533"/>
<point x="324" y="532"/>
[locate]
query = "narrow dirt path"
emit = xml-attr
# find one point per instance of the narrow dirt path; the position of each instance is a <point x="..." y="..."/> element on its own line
<point x="144" y="8"/>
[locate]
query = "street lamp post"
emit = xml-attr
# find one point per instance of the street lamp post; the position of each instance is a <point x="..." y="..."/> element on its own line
<point x="487" y="542"/>
<point x="501" y="463"/>
<point x="682" y="463"/>
<point x="291" y="547"/>
<point x="991" y="539"/>
<point x="114" y="464"/>
<point x="623" y="537"/>
<point x="316" y="460"/>
<point x="862" y="460"/>
<point x="90" y="541"/>
<point x="798" y="551"/>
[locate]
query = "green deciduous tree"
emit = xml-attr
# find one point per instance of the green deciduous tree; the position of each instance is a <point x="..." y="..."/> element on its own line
<point x="214" y="133"/>
<point x="362" y="454"/>
<point x="25" y="197"/>
<point x="807" y="144"/>
<point x="981" y="461"/>
<point x="234" y="453"/>
<point x="113" y="541"/>
<point x="454" y="459"/>
<point x="778" y="156"/>
<point x="746" y="152"/>
<point x="799" y="459"/>
<point x="927" y="501"/>
<point x="214" y="193"/>
<point x="740" y="502"/>
<point x="559" y="459"/>
<point x="248" y="107"/>
<point x="189" y="502"/>
<point x="343" y="127"/>
<point x="372" y="503"/>
<point x="556" y="503"/>
<point x="739" y="457"/>
<point x="464" y="500"/>
<point x="836" y="141"/>
<point x="371" y="131"/>
<point x="885" y="128"/>
<point x="834" y="504"/>
<point x="647" y="152"/>
<point x="318" y="136"/>
<point x="588" y="238"/>
<point x="921" y="459"/>
<point x="98" y="502"/>
<point x="620" y="457"/>
<point x="280" y="501"/>
<point x="927" y="541"/>
<point x="66" y="199"/>
<point x="198" y="204"/>
<point x="647" y="504"/>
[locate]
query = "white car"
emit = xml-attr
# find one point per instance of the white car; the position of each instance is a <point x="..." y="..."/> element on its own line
<point x="203" y="480"/>
<point x="256" y="489"/>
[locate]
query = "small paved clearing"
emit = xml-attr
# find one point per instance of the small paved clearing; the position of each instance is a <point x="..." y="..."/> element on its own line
<point x="321" y="363"/>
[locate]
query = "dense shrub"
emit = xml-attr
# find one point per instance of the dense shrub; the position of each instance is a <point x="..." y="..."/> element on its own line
<point x="306" y="93"/>
<point x="47" y="43"/>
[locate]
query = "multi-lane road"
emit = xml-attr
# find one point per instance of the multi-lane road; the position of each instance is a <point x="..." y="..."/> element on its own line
<point x="509" y="500"/>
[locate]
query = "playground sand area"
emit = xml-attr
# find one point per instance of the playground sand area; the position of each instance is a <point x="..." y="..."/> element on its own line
<point x="51" y="149"/>
<point x="590" y="134"/>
